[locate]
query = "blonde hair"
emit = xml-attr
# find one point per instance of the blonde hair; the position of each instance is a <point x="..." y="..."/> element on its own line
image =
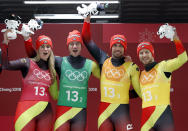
<point x="51" y="65"/>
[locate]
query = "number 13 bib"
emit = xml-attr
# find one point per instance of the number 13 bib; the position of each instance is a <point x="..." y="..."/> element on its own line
<point x="73" y="84"/>
<point x="155" y="87"/>
<point x="36" y="84"/>
<point x="115" y="83"/>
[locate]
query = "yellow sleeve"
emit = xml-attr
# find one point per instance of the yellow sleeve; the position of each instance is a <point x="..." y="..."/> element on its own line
<point x="54" y="92"/>
<point x="95" y="70"/>
<point x="135" y="74"/>
<point x="174" y="64"/>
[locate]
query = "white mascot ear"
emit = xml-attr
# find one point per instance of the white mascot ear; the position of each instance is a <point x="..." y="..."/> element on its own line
<point x="158" y="33"/>
<point x="19" y="22"/>
<point x="6" y="21"/>
<point x="84" y="6"/>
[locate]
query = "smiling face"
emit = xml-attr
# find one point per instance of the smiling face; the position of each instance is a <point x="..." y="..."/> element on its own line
<point x="117" y="51"/>
<point x="75" y="48"/>
<point x="145" y="56"/>
<point x="44" y="51"/>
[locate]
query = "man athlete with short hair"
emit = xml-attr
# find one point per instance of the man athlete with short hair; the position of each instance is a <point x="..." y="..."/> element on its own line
<point x="155" y="86"/>
<point x="116" y="78"/>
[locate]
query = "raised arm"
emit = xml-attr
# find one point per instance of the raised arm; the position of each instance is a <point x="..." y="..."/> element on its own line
<point x="99" y="55"/>
<point x="31" y="53"/>
<point x="20" y="64"/>
<point x="174" y="64"/>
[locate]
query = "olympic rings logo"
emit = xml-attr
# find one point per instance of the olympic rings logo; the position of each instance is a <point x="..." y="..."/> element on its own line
<point x="114" y="73"/>
<point x="41" y="74"/>
<point x="148" y="77"/>
<point x="76" y="75"/>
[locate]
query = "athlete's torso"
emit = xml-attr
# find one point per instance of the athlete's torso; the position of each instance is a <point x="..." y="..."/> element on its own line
<point x="76" y="62"/>
<point x="74" y="84"/>
<point x="115" y="82"/>
<point x="36" y="84"/>
<point x="155" y="86"/>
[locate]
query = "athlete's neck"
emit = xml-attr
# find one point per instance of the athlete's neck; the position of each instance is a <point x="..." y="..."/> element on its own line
<point x="76" y="62"/>
<point x="149" y="66"/>
<point x="118" y="62"/>
<point x="73" y="59"/>
<point x="42" y="64"/>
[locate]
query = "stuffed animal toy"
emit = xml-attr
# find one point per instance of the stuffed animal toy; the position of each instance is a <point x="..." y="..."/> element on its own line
<point x="93" y="9"/>
<point x="12" y="24"/>
<point x="167" y="31"/>
<point x="30" y="27"/>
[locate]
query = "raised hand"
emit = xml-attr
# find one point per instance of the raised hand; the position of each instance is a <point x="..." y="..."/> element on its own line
<point x="6" y="36"/>
<point x="128" y="59"/>
<point x="26" y="32"/>
<point x="87" y="19"/>
<point x="29" y="28"/>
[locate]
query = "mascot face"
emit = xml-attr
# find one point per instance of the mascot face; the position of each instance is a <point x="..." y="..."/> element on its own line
<point x="12" y="24"/>
<point x="161" y="31"/>
<point x="34" y="24"/>
<point x="167" y="31"/>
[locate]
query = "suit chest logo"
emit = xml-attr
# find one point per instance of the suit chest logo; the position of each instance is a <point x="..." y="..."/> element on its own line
<point x="148" y="77"/>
